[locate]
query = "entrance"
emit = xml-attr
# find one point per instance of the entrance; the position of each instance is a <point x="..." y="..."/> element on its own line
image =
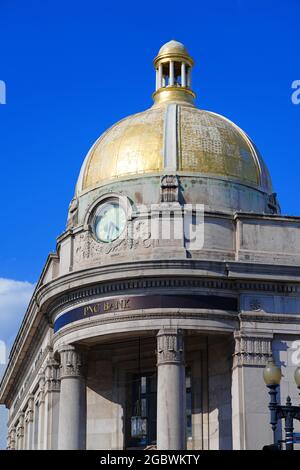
<point x="141" y="421"/>
<point x="142" y="410"/>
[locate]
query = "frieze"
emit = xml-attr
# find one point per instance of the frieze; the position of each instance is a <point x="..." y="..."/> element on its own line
<point x="76" y="296"/>
<point x="88" y="250"/>
<point x="146" y="302"/>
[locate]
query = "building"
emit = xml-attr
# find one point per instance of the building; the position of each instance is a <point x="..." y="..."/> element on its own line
<point x="175" y="281"/>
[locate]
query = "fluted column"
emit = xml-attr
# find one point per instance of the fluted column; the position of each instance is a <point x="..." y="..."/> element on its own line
<point x="171" y="405"/>
<point x="52" y="389"/>
<point x="41" y="415"/>
<point x="72" y="407"/>
<point x="29" y="423"/>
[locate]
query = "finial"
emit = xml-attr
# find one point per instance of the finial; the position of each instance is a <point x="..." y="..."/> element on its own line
<point x="173" y="66"/>
<point x="288" y="401"/>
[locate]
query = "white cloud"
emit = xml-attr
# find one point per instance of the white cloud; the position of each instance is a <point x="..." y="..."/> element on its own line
<point x="14" y="298"/>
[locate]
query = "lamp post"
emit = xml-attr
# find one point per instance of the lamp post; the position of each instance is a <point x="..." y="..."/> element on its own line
<point x="288" y="412"/>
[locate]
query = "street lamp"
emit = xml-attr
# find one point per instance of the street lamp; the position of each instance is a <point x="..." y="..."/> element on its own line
<point x="272" y="376"/>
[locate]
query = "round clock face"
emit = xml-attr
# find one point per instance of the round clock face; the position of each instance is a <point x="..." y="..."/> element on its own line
<point x="110" y="221"/>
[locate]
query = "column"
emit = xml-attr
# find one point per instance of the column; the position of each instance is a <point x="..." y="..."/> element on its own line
<point x="171" y="73"/>
<point x="183" y="74"/>
<point x="41" y="414"/>
<point x="52" y="390"/>
<point x="72" y="407"/>
<point x="20" y="432"/>
<point x="189" y="80"/>
<point x="29" y="423"/>
<point x="250" y="414"/>
<point x="171" y="402"/>
<point x="160" y="76"/>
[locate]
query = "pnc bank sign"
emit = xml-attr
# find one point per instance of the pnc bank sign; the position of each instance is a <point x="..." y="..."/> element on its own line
<point x="160" y="302"/>
<point x="107" y="306"/>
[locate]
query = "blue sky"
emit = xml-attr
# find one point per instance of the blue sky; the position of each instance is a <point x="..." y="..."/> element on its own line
<point x="73" y="68"/>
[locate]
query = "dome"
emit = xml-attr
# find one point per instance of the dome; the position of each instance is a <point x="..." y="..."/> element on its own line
<point x="174" y="136"/>
<point x="173" y="47"/>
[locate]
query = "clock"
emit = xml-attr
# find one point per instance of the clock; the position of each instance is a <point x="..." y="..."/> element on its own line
<point x="110" y="221"/>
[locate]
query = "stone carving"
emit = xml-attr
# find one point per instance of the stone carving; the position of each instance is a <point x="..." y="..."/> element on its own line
<point x="29" y="410"/>
<point x="88" y="249"/>
<point x="72" y="215"/>
<point x="11" y="441"/>
<point x="252" y="350"/>
<point x="170" y="347"/>
<point x="255" y="305"/>
<point x="20" y="426"/>
<point x="71" y="362"/>
<point x="52" y="378"/>
<point x="169" y="188"/>
<point x="41" y="390"/>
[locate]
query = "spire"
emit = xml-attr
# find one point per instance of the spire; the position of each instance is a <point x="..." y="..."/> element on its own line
<point x="173" y="66"/>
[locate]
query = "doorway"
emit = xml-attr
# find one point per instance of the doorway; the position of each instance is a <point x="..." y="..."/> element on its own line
<point x="141" y="416"/>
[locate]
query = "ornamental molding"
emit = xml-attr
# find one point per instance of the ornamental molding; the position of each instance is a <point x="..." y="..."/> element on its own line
<point x="255" y="305"/>
<point x="20" y="425"/>
<point x="88" y="250"/>
<point x="29" y="410"/>
<point x="40" y="395"/>
<point x="170" y="347"/>
<point x="169" y="188"/>
<point x="71" y="362"/>
<point x="251" y="350"/>
<point x="80" y="295"/>
<point x="52" y="376"/>
<point x="11" y="440"/>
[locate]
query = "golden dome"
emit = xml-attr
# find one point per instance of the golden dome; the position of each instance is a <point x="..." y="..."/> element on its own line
<point x="193" y="140"/>
<point x="174" y="136"/>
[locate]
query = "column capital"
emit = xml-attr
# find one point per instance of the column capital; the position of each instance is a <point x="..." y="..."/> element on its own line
<point x="170" y="346"/>
<point x="11" y="440"/>
<point x="251" y="349"/>
<point x="41" y="389"/>
<point x="8" y="442"/>
<point x="71" y="361"/>
<point x="29" y="410"/>
<point x="20" y="425"/>
<point x="52" y="376"/>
